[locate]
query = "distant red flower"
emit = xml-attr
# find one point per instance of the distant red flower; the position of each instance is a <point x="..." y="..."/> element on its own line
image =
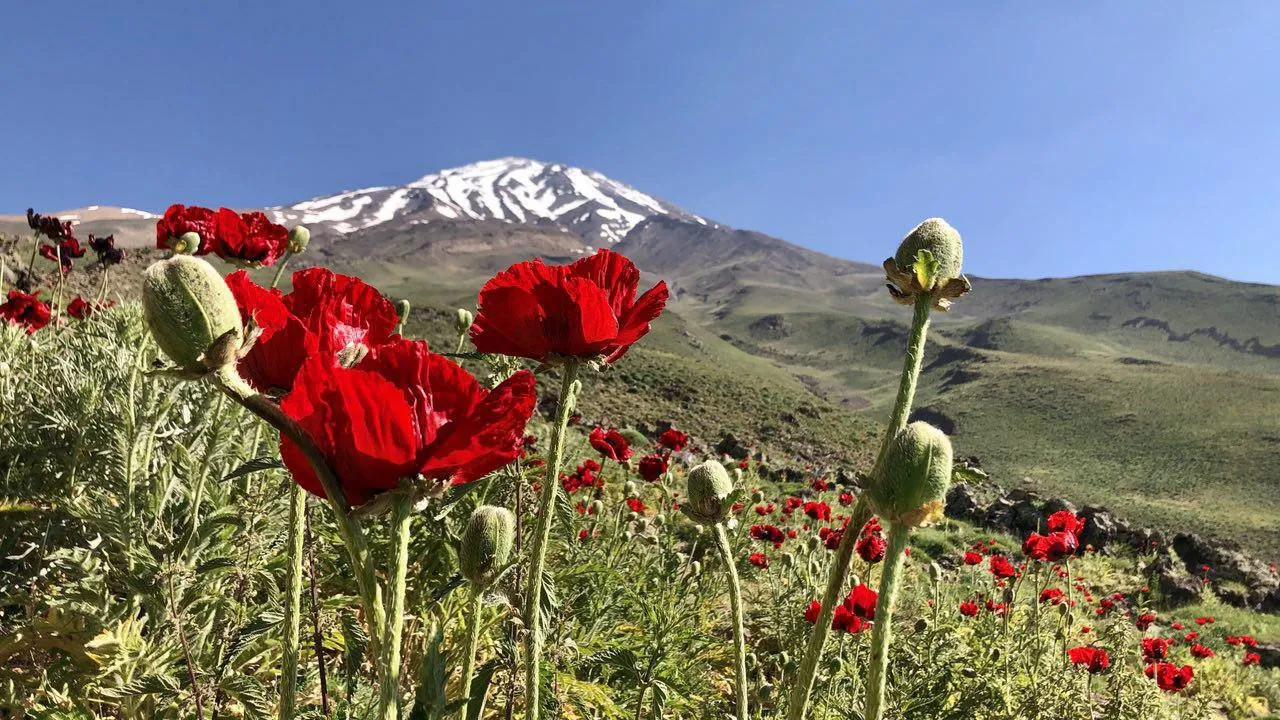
<point x="1170" y="677"/>
<point x="969" y="609"/>
<point x="765" y="509"/>
<point x="673" y="440"/>
<point x="1154" y="649"/>
<point x="861" y="601"/>
<point x="871" y="548"/>
<point x="243" y="238"/>
<point x="996" y="608"/>
<point x="63" y="253"/>
<point x="1051" y="595"/>
<point x="1201" y="651"/>
<point x="323" y="315"/>
<point x="768" y="533"/>
<point x="1251" y="658"/>
<point x="1001" y="567"/>
<point x="636" y="505"/>
<point x="1065" y="521"/>
<point x="846" y="498"/>
<point x="584" y="310"/>
<point x="1050" y="548"/>
<point x="611" y="444"/>
<point x="1144" y="621"/>
<point x="845" y="621"/>
<point x="831" y="537"/>
<point x="652" y="467"/>
<point x="79" y="308"/>
<point x="818" y="510"/>
<point x="972" y="558"/>
<point x="1204" y="621"/>
<point x="759" y="559"/>
<point x="49" y="226"/>
<point x="27" y="310"/>
<point x="105" y="247"/>
<point x="403" y="412"/>
<point x="811" y="611"/>
<point x="1095" y="660"/>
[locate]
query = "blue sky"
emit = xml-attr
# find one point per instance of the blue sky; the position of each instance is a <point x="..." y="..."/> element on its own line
<point x="1060" y="138"/>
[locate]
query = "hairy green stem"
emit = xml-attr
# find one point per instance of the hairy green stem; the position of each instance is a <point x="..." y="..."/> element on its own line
<point x="798" y="704"/>
<point x="348" y="527"/>
<point x="292" y="602"/>
<point x="389" y="684"/>
<point x="873" y="708"/>
<point x="569" y="386"/>
<point x="735" y="604"/>
<point x="284" y="262"/>
<point x="474" y="609"/>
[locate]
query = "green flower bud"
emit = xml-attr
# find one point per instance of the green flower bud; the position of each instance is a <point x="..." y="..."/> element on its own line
<point x="192" y="313"/>
<point x="935" y="573"/>
<point x="709" y="491"/>
<point x="299" y="238"/>
<point x="402" y="309"/>
<point x="659" y="520"/>
<point x="597" y="507"/>
<point x="815" y="543"/>
<point x="629" y="489"/>
<point x="757" y="496"/>
<point x="921" y="625"/>
<point x="695" y="568"/>
<point x="788" y="560"/>
<point x="186" y="244"/>
<point x="940" y="239"/>
<point x="914" y="476"/>
<point x="462" y="320"/>
<point x="486" y="544"/>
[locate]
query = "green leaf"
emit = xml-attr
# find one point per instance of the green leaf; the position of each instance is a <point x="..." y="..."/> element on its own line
<point x="479" y="690"/>
<point x="253" y="466"/>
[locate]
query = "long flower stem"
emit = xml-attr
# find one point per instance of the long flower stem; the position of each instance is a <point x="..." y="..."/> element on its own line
<point x="389" y="696"/>
<point x="569" y="386"/>
<point x="348" y="527"/>
<point x="474" y="608"/>
<point x="873" y="708"/>
<point x="735" y="604"/>
<point x="292" y="601"/>
<point x="284" y="262"/>
<point x="798" y="705"/>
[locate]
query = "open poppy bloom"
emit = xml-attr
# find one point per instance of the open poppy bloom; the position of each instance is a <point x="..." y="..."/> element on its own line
<point x="969" y="608"/>
<point x="585" y="310"/>
<point x="652" y="467"/>
<point x="1051" y="548"/>
<point x="80" y="309"/>
<point x="1093" y="659"/>
<point x="1065" y="521"/>
<point x="1170" y="677"/>
<point x="243" y="238"/>
<point x="27" y="310"/>
<point x="325" y="314"/>
<point x="403" y="412"/>
<point x="871" y="548"/>
<point x="673" y="440"/>
<point x="611" y="444"/>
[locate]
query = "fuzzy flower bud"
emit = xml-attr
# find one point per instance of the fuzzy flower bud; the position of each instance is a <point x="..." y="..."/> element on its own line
<point x="186" y="244"/>
<point x="402" y="309"/>
<point x="299" y="238"/>
<point x="486" y="544"/>
<point x="709" y="491"/>
<point x="192" y="313"/>
<point x="462" y="320"/>
<point x="941" y="240"/>
<point x="914" y="476"/>
<point x="597" y="507"/>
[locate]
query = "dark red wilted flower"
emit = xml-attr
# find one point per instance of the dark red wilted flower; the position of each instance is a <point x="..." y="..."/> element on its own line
<point x="49" y="226"/>
<point x="969" y="608"/>
<point x="996" y="608"/>
<point x="1154" y="649"/>
<point x="1001" y="567"/>
<point x="105" y="247"/>
<point x="652" y="466"/>
<point x="871" y="548"/>
<point x="759" y="559"/>
<point x="673" y="440"/>
<point x="611" y="444"/>
<point x="1065" y="521"/>
<point x="63" y="253"/>
<point x="584" y="310"/>
<point x="1170" y="677"/>
<point x="1093" y="659"/>
<point x="404" y="411"/>
<point x="27" y="310"/>
<point x="325" y="314"/>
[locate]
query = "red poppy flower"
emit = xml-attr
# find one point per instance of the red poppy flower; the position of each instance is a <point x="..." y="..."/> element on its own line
<point x="1251" y="658"/>
<point x="811" y="611"/>
<point x="1065" y="521"/>
<point x="969" y="609"/>
<point x="673" y="440"/>
<point x="584" y="310"/>
<point x="1154" y="649"/>
<point x="1204" y="621"/>
<point x="861" y="601"/>
<point x="179" y="220"/>
<point x="871" y="548"/>
<point x="610" y="444"/>
<point x="759" y="559"/>
<point x="49" y="226"/>
<point x="27" y="310"/>
<point x="972" y="558"/>
<point x="63" y="254"/>
<point x="324" y="314"/>
<point x="1201" y="651"/>
<point x="1050" y="548"/>
<point x="1095" y="660"/>
<point x="79" y="309"/>
<point x="818" y="510"/>
<point x="1051" y="595"/>
<point x="845" y="621"/>
<point x="652" y="467"/>
<point x="1001" y="567"/>
<point x="995" y="608"/>
<point x="636" y="505"/>
<point x="404" y="411"/>
<point x="1170" y="677"/>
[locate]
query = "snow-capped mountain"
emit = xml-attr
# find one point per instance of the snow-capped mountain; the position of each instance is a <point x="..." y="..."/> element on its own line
<point x="514" y="190"/>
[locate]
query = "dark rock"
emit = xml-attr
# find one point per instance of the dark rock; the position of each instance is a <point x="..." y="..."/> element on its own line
<point x="1099" y="528"/>
<point x="1163" y="564"/>
<point x="1179" y="590"/>
<point x="845" y="477"/>
<point x="1232" y="596"/>
<point x="1225" y="561"/>
<point x="1027" y="518"/>
<point x="1018" y="495"/>
<point x="1268" y="655"/>
<point x="962" y="502"/>
<point x="1269" y="602"/>
<point x="998" y="515"/>
<point x="1053" y="505"/>
<point x="733" y="447"/>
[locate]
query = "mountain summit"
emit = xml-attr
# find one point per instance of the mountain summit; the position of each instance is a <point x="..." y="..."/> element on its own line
<point x="513" y="190"/>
